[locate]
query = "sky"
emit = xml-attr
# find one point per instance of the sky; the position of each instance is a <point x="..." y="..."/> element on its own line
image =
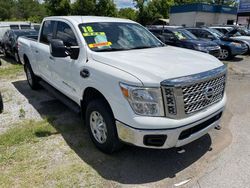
<point x="124" y="3"/>
<point x="119" y="3"/>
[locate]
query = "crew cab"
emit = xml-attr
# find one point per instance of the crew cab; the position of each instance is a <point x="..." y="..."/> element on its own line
<point x="128" y="85"/>
<point x="180" y="37"/>
<point x="229" y="47"/>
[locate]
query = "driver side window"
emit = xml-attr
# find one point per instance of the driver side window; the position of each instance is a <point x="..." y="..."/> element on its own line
<point x="66" y="34"/>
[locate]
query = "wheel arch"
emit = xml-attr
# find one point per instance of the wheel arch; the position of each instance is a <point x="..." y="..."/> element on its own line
<point x="89" y="94"/>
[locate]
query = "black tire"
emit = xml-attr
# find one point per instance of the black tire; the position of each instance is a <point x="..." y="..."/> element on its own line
<point x="111" y="143"/>
<point x="1" y="104"/>
<point x="16" y="56"/>
<point x="32" y="79"/>
<point x="5" y="54"/>
<point x="225" y="54"/>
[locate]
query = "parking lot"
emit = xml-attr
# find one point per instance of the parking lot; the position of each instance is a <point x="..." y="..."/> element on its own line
<point x="42" y="140"/>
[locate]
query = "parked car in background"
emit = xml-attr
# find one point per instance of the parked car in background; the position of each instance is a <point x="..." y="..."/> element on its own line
<point x="225" y="29"/>
<point x="236" y="33"/>
<point x="35" y="26"/>
<point x="4" y="26"/>
<point x="229" y="47"/>
<point x="222" y="29"/>
<point x="1" y="103"/>
<point x="128" y="85"/>
<point x="9" y="42"/>
<point x="182" y="38"/>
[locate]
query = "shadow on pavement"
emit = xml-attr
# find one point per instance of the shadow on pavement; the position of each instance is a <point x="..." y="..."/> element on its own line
<point x="132" y="165"/>
<point x="236" y="59"/>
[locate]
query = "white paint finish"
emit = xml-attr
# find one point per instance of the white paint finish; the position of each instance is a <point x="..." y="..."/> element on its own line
<point x="146" y="67"/>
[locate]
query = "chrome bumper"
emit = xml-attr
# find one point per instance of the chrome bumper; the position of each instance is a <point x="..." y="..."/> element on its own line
<point x="134" y="136"/>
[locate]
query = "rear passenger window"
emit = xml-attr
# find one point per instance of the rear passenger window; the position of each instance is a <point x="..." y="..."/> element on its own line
<point x="47" y="32"/>
<point x="14" y="27"/>
<point x="66" y="34"/>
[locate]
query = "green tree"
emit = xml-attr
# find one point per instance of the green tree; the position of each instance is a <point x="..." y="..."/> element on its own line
<point x="84" y="7"/>
<point x="142" y="13"/>
<point x="58" y="7"/>
<point x="29" y="9"/>
<point x="128" y="13"/>
<point x="106" y="8"/>
<point x="6" y="9"/>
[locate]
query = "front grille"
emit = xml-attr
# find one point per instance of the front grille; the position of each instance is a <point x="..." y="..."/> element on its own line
<point x="186" y="95"/>
<point x="194" y="96"/>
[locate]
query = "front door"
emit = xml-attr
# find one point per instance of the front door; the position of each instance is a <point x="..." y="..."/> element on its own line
<point x="64" y="70"/>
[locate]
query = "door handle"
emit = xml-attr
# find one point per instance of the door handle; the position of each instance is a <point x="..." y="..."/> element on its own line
<point x="84" y="73"/>
<point x="52" y="58"/>
<point x="37" y="51"/>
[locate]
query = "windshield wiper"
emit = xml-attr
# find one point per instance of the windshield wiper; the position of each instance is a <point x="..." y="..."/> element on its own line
<point x="110" y="50"/>
<point x="145" y="47"/>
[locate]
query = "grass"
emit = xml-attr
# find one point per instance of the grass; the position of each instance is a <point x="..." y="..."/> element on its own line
<point x="8" y="70"/>
<point x="26" y="132"/>
<point x="33" y="154"/>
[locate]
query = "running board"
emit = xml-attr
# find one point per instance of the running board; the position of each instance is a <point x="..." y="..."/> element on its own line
<point x="61" y="97"/>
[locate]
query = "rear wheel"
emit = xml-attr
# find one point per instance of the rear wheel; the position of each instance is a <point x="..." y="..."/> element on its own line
<point x="1" y="103"/>
<point x="5" y="54"/>
<point x="225" y="54"/>
<point x="31" y="77"/>
<point x="16" y="57"/>
<point x="101" y="126"/>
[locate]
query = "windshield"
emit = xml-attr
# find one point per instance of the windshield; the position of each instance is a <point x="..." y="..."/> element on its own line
<point x="183" y="34"/>
<point x="111" y="36"/>
<point x="216" y="33"/>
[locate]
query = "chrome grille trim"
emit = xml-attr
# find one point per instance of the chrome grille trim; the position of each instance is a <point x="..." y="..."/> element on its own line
<point x="189" y="91"/>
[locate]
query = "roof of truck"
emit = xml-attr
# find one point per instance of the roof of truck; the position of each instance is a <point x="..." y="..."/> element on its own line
<point x="89" y="19"/>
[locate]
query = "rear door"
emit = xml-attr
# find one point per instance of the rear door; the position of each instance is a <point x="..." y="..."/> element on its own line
<point x="42" y="50"/>
<point x="65" y="70"/>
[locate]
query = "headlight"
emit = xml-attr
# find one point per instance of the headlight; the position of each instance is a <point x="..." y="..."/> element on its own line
<point x="144" y="101"/>
<point x="201" y="48"/>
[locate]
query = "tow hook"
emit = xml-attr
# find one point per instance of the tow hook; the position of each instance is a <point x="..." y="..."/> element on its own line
<point x="217" y="127"/>
<point x="180" y="150"/>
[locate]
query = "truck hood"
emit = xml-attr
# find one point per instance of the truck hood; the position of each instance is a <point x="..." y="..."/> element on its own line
<point x="152" y="66"/>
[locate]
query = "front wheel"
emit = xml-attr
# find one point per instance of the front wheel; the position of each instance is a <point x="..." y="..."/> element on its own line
<point x="225" y="54"/>
<point x="31" y="77"/>
<point x="101" y="126"/>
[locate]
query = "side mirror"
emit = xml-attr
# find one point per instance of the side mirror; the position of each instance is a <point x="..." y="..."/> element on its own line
<point x="58" y="49"/>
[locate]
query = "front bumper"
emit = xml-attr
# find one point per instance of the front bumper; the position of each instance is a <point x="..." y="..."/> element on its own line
<point x="168" y="138"/>
<point x="239" y="50"/>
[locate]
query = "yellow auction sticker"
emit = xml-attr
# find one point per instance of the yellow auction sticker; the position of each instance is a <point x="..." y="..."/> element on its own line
<point x="100" y="44"/>
<point x="93" y="34"/>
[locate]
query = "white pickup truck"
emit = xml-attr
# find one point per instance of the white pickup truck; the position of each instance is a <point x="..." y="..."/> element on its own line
<point x="129" y="87"/>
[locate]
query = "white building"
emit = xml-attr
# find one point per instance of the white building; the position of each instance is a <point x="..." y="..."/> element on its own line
<point x="199" y="14"/>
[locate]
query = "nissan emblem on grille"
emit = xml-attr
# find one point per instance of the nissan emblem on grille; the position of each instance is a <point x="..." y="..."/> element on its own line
<point x="209" y="93"/>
